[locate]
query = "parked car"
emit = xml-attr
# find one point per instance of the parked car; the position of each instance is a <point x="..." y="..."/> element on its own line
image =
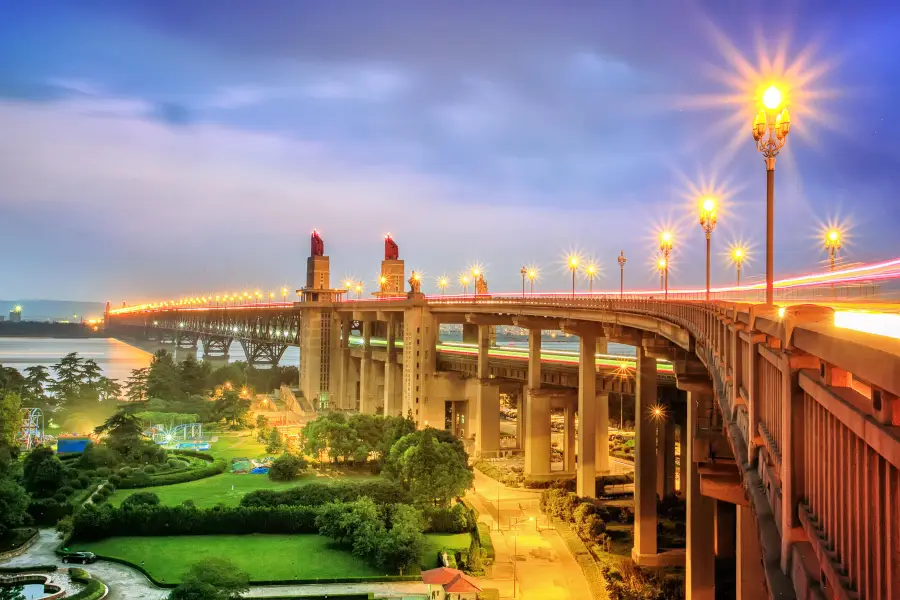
<point x="80" y="557"/>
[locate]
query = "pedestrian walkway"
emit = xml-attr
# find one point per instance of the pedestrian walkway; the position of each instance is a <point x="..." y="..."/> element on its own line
<point x="531" y="560"/>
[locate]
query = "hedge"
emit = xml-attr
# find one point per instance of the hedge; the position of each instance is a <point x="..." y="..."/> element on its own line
<point x="94" y="523"/>
<point x="29" y="569"/>
<point x="94" y="590"/>
<point x="317" y="493"/>
<point x="140" y="479"/>
<point x="194" y="454"/>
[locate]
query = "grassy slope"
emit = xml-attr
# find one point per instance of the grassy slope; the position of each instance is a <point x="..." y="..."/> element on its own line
<point x="263" y="557"/>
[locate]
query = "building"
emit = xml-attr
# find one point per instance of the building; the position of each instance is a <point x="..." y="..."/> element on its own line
<point x="15" y="314"/>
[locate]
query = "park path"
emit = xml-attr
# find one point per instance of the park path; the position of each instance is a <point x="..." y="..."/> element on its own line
<point x="126" y="583"/>
<point x="529" y="555"/>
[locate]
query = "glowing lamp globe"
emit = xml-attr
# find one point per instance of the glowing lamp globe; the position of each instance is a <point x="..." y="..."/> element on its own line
<point x="709" y="205"/>
<point x="772" y="98"/>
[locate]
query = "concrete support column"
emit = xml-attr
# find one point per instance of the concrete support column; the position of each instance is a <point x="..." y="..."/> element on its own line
<point x="484" y="346"/>
<point x="487" y="423"/>
<point x="750" y="574"/>
<point x="700" y="577"/>
<point x="569" y="439"/>
<point x="644" y="457"/>
<point x="393" y="398"/>
<point x="367" y="373"/>
<point x="665" y="454"/>
<point x="534" y="359"/>
<point x="520" y="418"/>
<point x="602" y="452"/>
<point x="344" y="394"/>
<point x="725" y="528"/>
<point x="537" y="434"/>
<point x="586" y="472"/>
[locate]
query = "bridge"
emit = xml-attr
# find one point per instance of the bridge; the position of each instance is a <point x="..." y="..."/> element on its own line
<point x="790" y="424"/>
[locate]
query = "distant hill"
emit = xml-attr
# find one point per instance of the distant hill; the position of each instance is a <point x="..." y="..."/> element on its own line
<point x="52" y="310"/>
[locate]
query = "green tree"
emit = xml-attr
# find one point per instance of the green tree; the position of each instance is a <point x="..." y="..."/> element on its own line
<point x="42" y="473"/>
<point x="67" y="386"/>
<point x="194" y="375"/>
<point x="275" y="442"/>
<point x="90" y="373"/>
<point x="141" y="499"/>
<point x="10" y="418"/>
<point x="433" y="472"/>
<point x="212" y="579"/>
<point x="14" y="592"/>
<point x="124" y="433"/>
<point x="287" y="467"/>
<point x="13" y="505"/>
<point x="108" y="390"/>
<point x="400" y="547"/>
<point x="164" y="377"/>
<point x="37" y="378"/>
<point x="136" y="385"/>
<point x="231" y="407"/>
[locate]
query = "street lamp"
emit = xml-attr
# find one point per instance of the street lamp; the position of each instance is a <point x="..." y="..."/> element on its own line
<point x="708" y="223"/>
<point x="661" y="267"/>
<point x="284" y="294"/>
<point x="573" y="265"/>
<point x="475" y="273"/>
<point x="524" y="273"/>
<point x="591" y="271"/>
<point x="464" y="280"/>
<point x="622" y="260"/>
<point x="532" y="274"/>
<point x="737" y="257"/>
<point x="665" y="245"/>
<point x="358" y="291"/>
<point x="770" y="132"/>
<point x="832" y="244"/>
<point x="442" y="283"/>
<point x="382" y="282"/>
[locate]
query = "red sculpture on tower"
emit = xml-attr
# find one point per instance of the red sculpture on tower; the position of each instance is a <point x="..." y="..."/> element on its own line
<point x="317" y="245"/>
<point x="391" y="250"/>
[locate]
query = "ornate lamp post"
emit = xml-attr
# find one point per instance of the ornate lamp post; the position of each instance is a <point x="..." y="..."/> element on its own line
<point x="284" y="294"/>
<point x="832" y="244"/>
<point x="622" y="260"/>
<point x="475" y="273"/>
<point x="708" y="223"/>
<point x="442" y="283"/>
<point x="591" y="271"/>
<point x="464" y="280"/>
<point x="524" y="273"/>
<point x="382" y="281"/>
<point x="532" y="274"/>
<point x="665" y="245"/>
<point x="661" y="267"/>
<point x="770" y="130"/>
<point x="737" y="256"/>
<point x="573" y="265"/>
<point x="358" y="291"/>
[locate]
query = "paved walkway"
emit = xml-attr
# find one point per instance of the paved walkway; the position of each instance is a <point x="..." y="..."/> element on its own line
<point x="527" y="552"/>
<point x="126" y="583"/>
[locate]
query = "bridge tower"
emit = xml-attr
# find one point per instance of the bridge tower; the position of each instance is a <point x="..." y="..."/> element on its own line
<point x="320" y="331"/>
<point x="393" y="271"/>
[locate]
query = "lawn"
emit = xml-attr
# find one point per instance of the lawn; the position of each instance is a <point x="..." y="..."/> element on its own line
<point x="440" y="541"/>
<point x="227" y="488"/>
<point x="230" y="445"/>
<point x="263" y="557"/>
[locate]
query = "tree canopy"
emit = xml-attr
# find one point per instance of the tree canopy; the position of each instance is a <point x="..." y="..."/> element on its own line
<point x="433" y="471"/>
<point x="212" y="579"/>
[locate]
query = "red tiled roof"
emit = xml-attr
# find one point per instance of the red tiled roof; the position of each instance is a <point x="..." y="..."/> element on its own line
<point x="440" y="576"/>
<point x="462" y="583"/>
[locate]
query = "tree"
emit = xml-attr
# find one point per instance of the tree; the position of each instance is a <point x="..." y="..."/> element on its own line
<point x="42" y="472"/>
<point x="163" y="379"/>
<point x="194" y="375"/>
<point x="10" y="419"/>
<point x="231" y="407"/>
<point x="287" y="467"/>
<point x="108" y="389"/>
<point x="124" y="433"/>
<point x="13" y="592"/>
<point x="67" y="385"/>
<point x="136" y="385"/>
<point x="432" y="471"/>
<point x="212" y="579"/>
<point x="401" y="546"/>
<point x="275" y="441"/>
<point x="13" y="505"/>
<point x="141" y="499"/>
<point x="90" y="372"/>
<point x="37" y="378"/>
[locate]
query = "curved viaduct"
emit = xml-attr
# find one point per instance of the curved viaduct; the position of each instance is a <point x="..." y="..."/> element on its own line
<point x="792" y="426"/>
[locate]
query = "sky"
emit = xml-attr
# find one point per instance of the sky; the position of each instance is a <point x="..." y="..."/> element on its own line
<point x="153" y="149"/>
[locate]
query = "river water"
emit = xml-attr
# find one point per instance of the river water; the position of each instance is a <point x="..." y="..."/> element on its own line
<point x="117" y="359"/>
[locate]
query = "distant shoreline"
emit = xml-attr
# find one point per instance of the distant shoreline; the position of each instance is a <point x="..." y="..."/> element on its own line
<point x="38" y="329"/>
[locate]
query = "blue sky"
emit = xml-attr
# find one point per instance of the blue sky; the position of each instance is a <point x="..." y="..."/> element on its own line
<point x="157" y="148"/>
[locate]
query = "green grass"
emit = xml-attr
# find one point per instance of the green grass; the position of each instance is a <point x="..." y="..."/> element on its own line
<point x="263" y="557"/>
<point x="227" y="488"/>
<point x="234" y="445"/>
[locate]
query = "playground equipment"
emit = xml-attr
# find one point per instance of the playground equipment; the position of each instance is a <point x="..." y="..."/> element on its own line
<point x="186" y="432"/>
<point x="31" y="428"/>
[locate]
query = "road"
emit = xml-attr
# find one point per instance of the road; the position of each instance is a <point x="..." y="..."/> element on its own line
<point x="526" y="550"/>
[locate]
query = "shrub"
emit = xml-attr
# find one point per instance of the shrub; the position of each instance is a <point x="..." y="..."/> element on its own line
<point x="98" y="522"/>
<point x="114" y="480"/>
<point x="94" y="590"/>
<point x="457" y="519"/>
<point x="102" y="471"/>
<point x="79" y="575"/>
<point x="150" y="469"/>
<point x="47" y="511"/>
<point x="318" y="493"/>
<point x="84" y="480"/>
<point x="125" y="471"/>
<point x="141" y="479"/>
<point x="141" y="499"/>
<point x="287" y="467"/>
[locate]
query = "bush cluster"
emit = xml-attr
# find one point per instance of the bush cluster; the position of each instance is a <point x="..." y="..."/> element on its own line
<point x="627" y="581"/>
<point x="586" y="516"/>
<point x="287" y="467"/>
<point x="316" y="494"/>
<point x="509" y="477"/>
<point x="94" y="590"/>
<point x="98" y="522"/>
<point x="138" y="479"/>
<point x="458" y="519"/>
